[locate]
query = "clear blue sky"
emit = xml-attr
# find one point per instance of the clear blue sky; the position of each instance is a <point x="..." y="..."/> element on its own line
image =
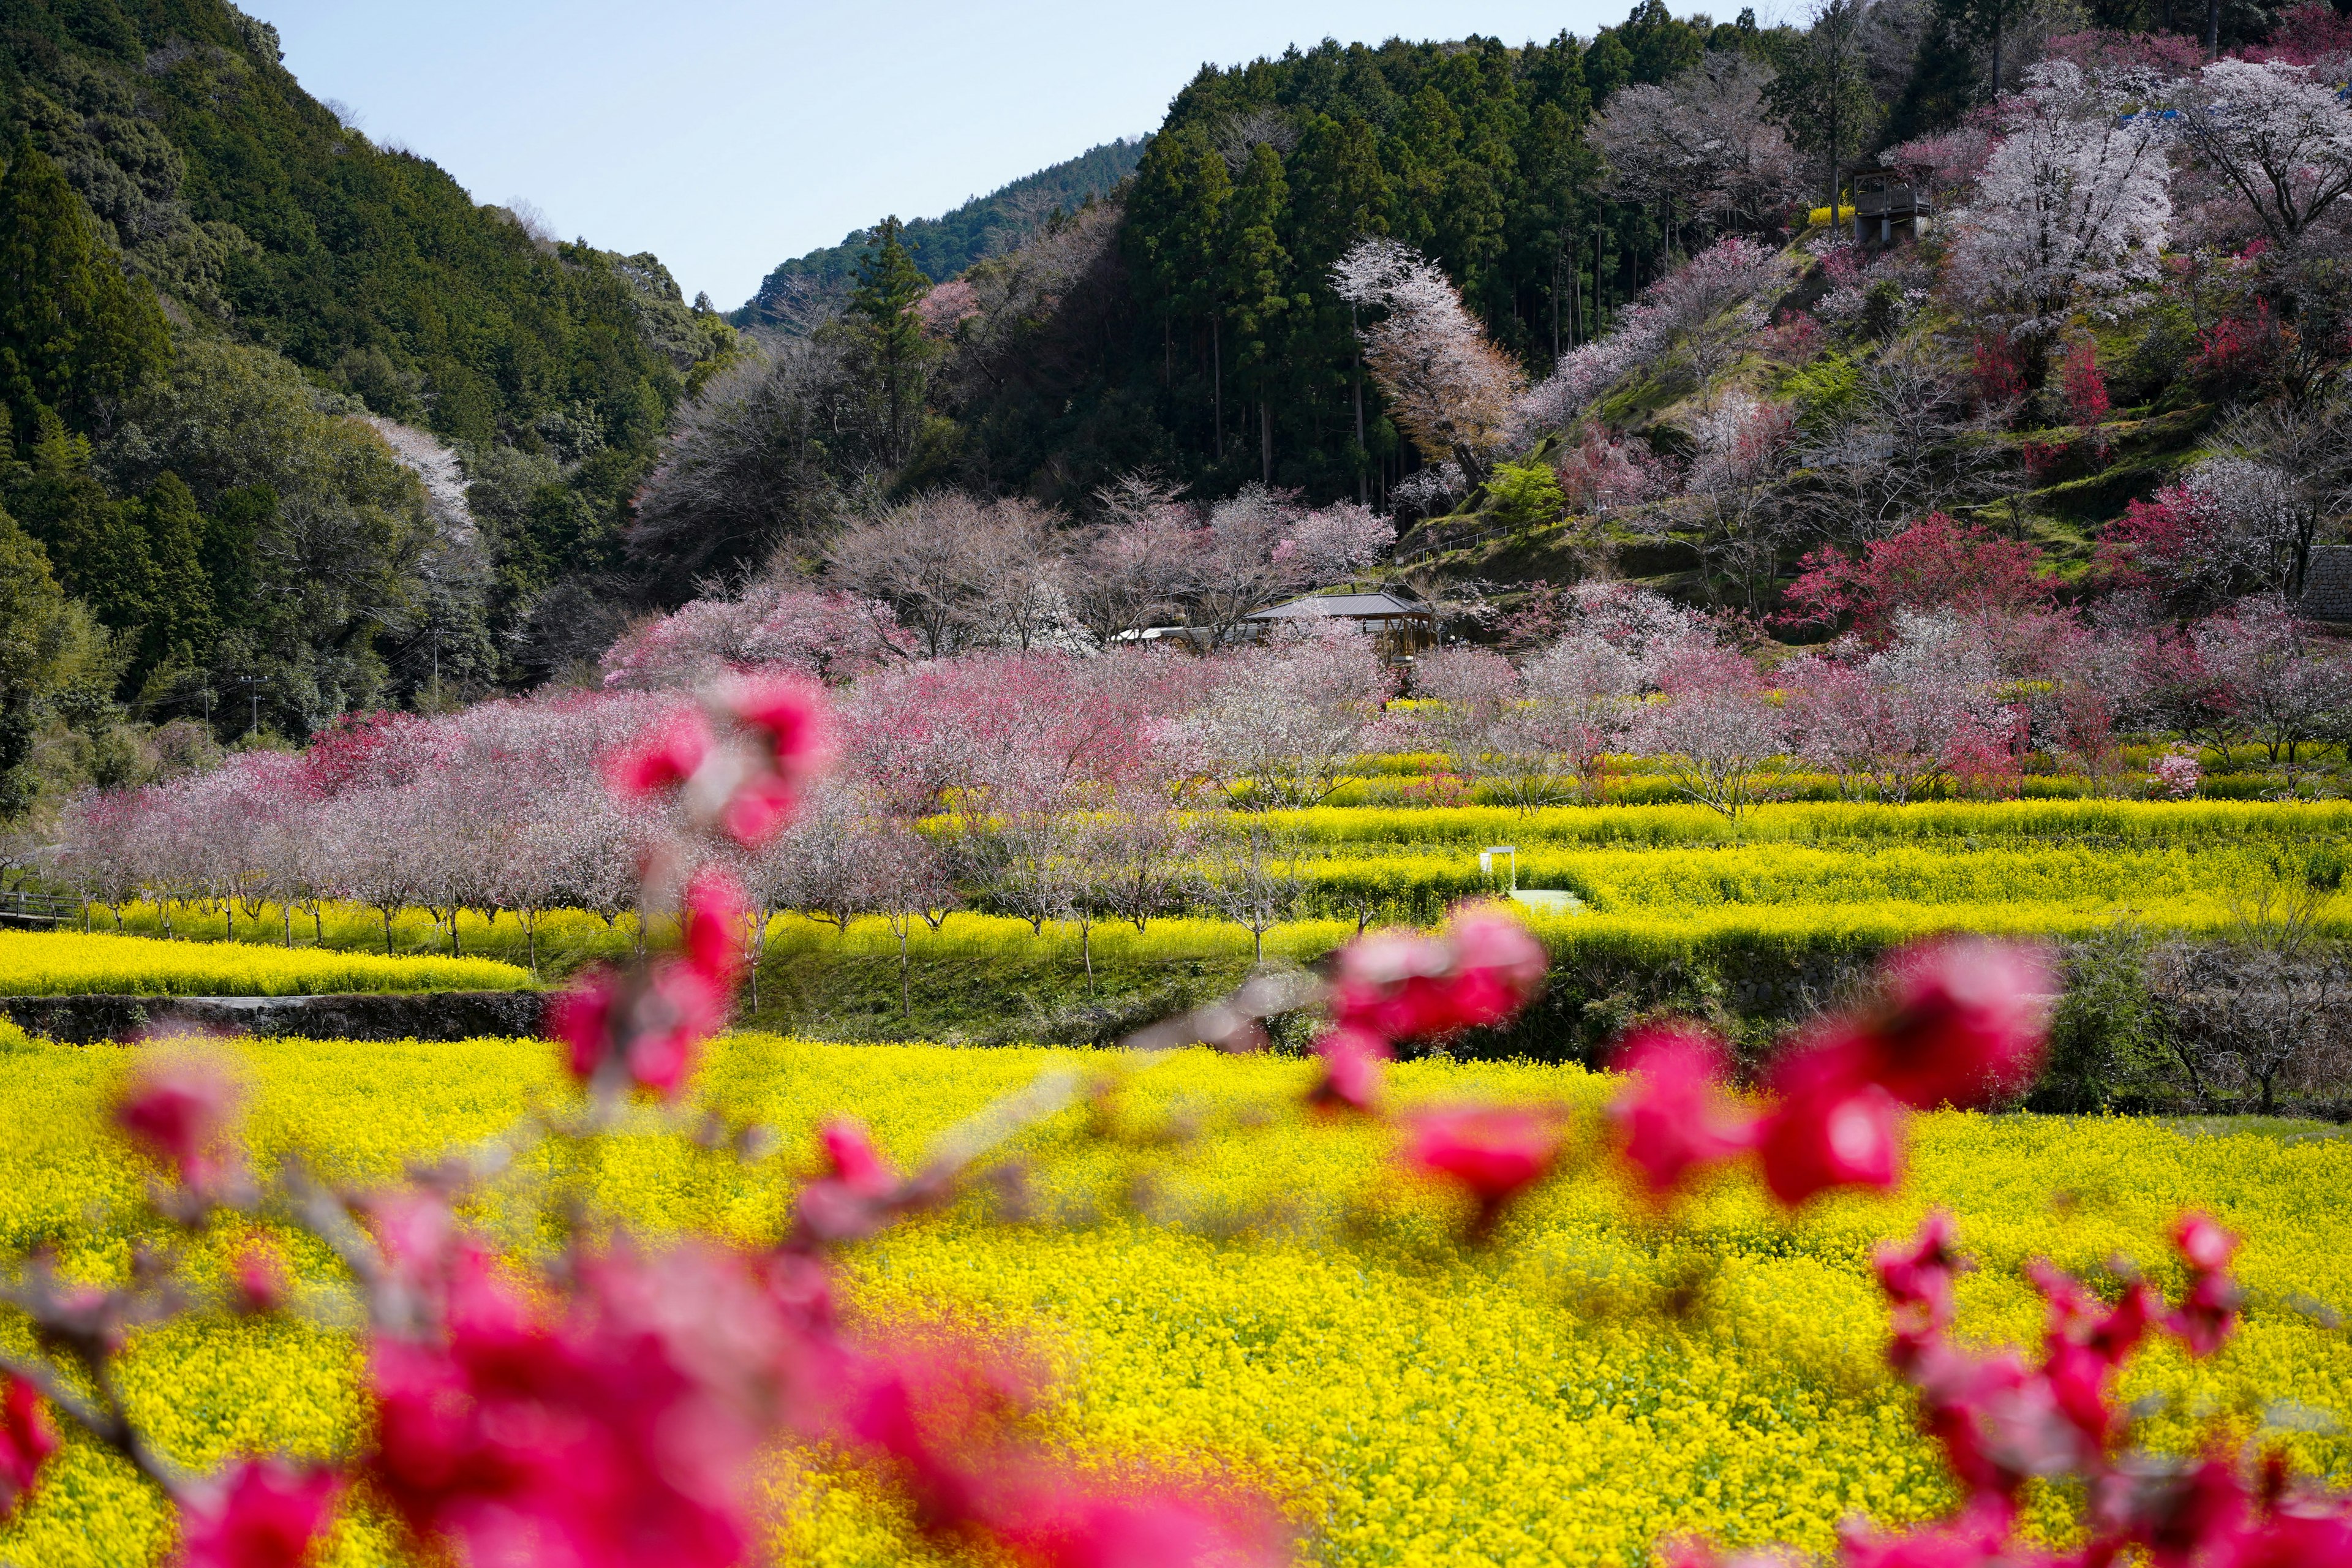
<point x="727" y="135"/>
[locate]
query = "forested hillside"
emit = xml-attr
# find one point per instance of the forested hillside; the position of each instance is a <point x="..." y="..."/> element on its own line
<point x="1189" y="324"/>
<point x="207" y="277"/>
<point x="942" y="247"/>
<point x="296" y="429"/>
<point x="1573" y="196"/>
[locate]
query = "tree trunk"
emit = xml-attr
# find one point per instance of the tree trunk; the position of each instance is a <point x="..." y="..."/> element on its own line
<point x="1364" y="453"/>
<point x="1217" y="382"/>
<point x="288" y="910"/>
<point x="1266" y="441"/>
<point x="1557" y="256"/>
<point x="1596" y="275"/>
<point x="906" y="997"/>
<point x="1087" y="951"/>
<point x="2213" y="34"/>
<point x="387" y="931"/>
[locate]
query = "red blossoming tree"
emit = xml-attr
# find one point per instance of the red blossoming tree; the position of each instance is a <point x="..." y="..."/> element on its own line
<point x="1936" y="565"/>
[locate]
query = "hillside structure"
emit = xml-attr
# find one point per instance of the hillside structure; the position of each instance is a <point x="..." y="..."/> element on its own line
<point x="1403" y="627"/>
<point x="1887" y="207"/>
<point x="2327" y="585"/>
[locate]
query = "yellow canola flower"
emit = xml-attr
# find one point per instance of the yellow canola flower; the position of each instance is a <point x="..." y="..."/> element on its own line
<point x="1295" y="1318"/>
<point x="52" y="964"/>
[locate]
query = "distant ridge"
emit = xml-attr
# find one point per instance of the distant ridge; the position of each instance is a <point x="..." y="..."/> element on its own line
<point x="943" y="247"/>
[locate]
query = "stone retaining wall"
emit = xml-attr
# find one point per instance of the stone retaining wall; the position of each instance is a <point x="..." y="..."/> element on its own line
<point x="357" y="1016"/>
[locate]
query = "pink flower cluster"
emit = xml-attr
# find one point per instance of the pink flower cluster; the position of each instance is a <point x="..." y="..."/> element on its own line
<point x="735" y="770"/>
<point x="177" y="1109"/>
<point x="641" y="1027"/>
<point x="1957" y="1020"/>
<point x="747" y="791"/>
<point x="945" y="1424"/>
<point x="619" y="1422"/>
<point x="1395" y="985"/>
<point x="1492" y="1152"/>
<point x="613" y="1429"/>
<point x="1403" y="985"/>
<point x="26" y="1441"/>
<point x="2177" y="774"/>
<point x="263" y="1514"/>
<point x="2002" y="1422"/>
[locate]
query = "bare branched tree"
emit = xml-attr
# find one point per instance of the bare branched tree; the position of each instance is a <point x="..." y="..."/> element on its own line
<point x="2265" y="996"/>
<point x="753" y="465"/>
<point x="958" y="571"/>
<point x="1252" y="875"/>
<point x="1701" y="147"/>
<point x="1131" y="566"/>
<point x="1906" y="446"/>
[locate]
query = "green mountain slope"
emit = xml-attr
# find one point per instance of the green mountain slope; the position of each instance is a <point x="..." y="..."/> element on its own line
<point x="204" y="278"/>
<point x="248" y="204"/>
<point x="943" y="247"/>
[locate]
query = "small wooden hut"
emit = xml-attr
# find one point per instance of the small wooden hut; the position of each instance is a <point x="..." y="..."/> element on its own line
<point x="1886" y="207"/>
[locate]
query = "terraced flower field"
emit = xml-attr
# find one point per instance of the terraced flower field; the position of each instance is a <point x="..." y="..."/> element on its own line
<point x="1306" y="1321"/>
<point x="56" y="964"/>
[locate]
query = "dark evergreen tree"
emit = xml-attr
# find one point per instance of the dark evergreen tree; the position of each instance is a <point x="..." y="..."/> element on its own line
<point x="76" y="335"/>
<point x="1822" y="91"/>
<point x="30" y="603"/>
<point x="1988" y="23"/>
<point x="96" y="545"/>
<point x="889" y="285"/>
<point x="181" y="624"/>
<point x="1661" y="44"/>
<point x="1943" y="85"/>
<point x="231" y="532"/>
<point x="1256" y="300"/>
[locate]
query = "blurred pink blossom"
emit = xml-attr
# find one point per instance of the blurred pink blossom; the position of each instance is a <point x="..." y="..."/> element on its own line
<point x="264" y="1514"/>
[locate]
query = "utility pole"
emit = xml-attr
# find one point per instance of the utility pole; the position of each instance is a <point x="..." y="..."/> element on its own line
<point x="253" y="685"/>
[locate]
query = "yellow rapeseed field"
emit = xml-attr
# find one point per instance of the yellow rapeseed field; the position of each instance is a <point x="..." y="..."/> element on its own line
<point x="1655" y="881"/>
<point x="1294" y="1316"/>
<point x="54" y="963"/>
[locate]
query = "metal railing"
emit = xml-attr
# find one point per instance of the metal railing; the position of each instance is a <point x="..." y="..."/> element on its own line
<point x="39" y="909"/>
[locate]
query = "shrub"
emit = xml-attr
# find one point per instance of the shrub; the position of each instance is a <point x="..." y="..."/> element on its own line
<point x="1524" y="495"/>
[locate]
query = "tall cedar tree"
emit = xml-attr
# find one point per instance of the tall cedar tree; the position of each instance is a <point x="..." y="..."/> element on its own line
<point x="76" y="335"/>
<point x="96" y="545"/>
<point x="889" y="285"/>
<point x="1988" y="22"/>
<point x="180" y="626"/>
<point x="1255" y="267"/>
<point x="1343" y="196"/>
<point x="30" y="603"/>
<point x="1822" y="92"/>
